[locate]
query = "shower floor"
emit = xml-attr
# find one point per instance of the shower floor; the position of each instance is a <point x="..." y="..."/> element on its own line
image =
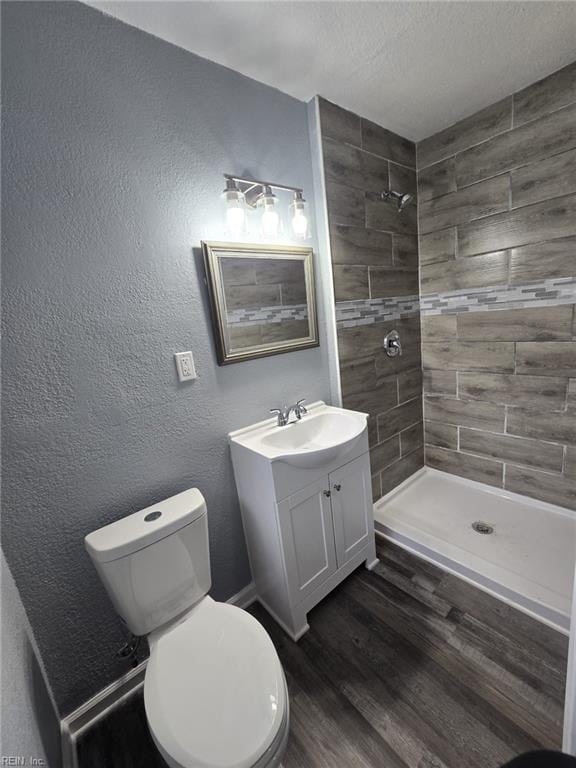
<point x="528" y="561"/>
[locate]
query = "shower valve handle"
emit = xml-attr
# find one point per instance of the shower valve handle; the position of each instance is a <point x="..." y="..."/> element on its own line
<point x="392" y="344"/>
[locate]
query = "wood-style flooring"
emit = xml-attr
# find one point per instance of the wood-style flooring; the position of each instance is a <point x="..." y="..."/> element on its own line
<point x="403" y="667"/>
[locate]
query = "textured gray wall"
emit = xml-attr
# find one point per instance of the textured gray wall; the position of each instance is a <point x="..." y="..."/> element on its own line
<point x="28" y="726"/>
<point x="114" y="144"/>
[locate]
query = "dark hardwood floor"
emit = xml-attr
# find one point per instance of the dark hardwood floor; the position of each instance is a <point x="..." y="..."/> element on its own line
<point x="405" y="666"/>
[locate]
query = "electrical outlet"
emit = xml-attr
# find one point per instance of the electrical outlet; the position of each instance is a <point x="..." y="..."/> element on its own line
<point x="185" y="366"/>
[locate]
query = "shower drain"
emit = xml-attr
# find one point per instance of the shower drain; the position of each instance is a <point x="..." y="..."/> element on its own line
<point x="481" y="527"/>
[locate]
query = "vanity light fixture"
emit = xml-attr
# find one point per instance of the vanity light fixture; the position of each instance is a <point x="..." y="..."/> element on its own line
<point x="242" y="195"/>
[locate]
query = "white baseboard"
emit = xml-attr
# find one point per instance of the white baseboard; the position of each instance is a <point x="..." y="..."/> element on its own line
<point x="93" y="710"/>
<point x="245" y="597"/>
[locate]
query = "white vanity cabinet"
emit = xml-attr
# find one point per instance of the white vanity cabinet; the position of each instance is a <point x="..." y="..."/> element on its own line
<point x="308" y="524"/>
<point x="325" y="525"/>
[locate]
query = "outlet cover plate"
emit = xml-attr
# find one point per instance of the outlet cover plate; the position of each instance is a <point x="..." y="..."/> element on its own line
<point x="185" y="366"/>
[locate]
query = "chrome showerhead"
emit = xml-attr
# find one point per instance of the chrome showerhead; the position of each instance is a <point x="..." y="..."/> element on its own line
<point x="405" y="200"/>
<point x="402" y="199"/>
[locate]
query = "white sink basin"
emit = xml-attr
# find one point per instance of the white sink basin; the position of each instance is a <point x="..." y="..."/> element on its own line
<point x="322" y="435"/>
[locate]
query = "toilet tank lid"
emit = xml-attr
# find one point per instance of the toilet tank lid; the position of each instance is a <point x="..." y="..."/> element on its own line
<point x="143" y="528"/>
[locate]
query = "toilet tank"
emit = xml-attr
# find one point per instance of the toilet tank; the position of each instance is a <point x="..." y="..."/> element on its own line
<point x="155" y="564"/>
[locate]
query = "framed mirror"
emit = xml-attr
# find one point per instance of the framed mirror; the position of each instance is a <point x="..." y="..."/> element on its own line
<point x="262" y="299"/>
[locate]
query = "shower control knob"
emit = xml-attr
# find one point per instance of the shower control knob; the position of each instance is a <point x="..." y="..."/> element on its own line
<point x="327" y="494"/>
<point x="337" y="487"/>
<point x="392" y="344"/>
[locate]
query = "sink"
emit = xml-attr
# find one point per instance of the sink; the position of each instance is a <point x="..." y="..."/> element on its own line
<point x="322" y="435"/>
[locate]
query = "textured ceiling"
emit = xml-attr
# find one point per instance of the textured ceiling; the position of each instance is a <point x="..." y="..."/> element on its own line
<point x="414" y="67"/>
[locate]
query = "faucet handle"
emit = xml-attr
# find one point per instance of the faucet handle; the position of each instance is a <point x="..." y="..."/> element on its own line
<point x="299" y="409"/>
<point x="281" y="413"/>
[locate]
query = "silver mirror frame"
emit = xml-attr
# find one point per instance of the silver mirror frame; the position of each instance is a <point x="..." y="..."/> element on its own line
<point x="213" y="251"/>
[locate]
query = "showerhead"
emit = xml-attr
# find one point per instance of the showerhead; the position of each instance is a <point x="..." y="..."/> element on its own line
<point x="402" y="199"/>
<point x="405" y="200"/>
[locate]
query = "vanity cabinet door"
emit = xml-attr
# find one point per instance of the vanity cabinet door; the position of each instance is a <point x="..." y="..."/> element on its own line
<point x="351" y="494"/>
<point x="307" y="538"/>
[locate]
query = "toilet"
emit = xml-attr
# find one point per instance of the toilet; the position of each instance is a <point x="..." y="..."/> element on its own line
<point x="214" y="690"/>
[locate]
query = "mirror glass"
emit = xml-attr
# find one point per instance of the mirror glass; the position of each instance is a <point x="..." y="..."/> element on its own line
<point x="262" y="299"/>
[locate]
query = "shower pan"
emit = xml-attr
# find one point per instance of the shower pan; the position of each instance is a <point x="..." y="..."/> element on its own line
<point x="514" y="547"/>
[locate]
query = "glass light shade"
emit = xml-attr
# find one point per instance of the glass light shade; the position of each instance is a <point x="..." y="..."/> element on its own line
<point x="235" y="218"/>
<point x="299" y="218"/>
<point x="270" y="221"/>
<point x="235" y="207"/>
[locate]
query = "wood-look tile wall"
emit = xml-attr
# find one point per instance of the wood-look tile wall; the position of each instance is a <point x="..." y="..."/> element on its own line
<point x="375" y="255"/>
<point x="497" y="207"/>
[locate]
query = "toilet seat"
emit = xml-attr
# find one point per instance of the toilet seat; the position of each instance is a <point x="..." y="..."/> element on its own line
<point x="214" y="690"/>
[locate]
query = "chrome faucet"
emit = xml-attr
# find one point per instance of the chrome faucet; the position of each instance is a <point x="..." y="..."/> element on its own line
<point x="298" y="409"/>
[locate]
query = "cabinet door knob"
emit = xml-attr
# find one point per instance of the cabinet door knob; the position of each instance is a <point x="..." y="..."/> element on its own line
<point x="327" y="493"/>
<point x="337" y="487"/>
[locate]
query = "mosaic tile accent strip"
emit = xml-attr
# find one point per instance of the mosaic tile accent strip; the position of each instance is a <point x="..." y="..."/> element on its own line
<point x="368" y="311"/>
<point x="259" y="315"/>
<point x="550" y="292"/>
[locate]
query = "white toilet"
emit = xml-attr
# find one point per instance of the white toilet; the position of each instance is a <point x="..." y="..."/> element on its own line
<point x="214" y="691"/>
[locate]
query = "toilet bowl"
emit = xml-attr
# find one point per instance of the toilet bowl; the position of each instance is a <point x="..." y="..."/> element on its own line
<point x="214" y="691"/>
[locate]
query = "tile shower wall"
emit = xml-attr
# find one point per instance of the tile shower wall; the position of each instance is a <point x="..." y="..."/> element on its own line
<point x="497" y="223"/>
<point x="375" y="267"/>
